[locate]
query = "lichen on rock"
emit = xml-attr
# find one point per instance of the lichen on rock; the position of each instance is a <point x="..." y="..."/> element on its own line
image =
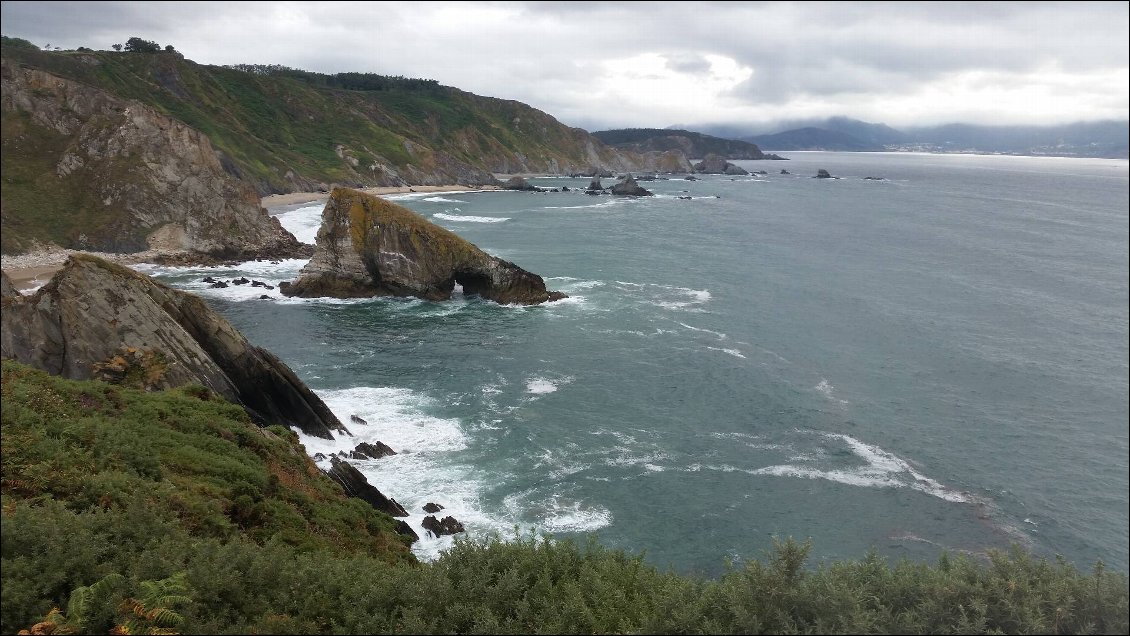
<point x="368" y="246"/>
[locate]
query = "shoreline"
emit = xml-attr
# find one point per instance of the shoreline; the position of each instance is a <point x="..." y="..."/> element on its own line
<point x="34" y="268"/>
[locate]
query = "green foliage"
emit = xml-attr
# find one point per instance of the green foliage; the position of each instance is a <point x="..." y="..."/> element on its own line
<point x="18" y="43"/>
<point x="138" y="45"/>
<point x="168" y="512"/>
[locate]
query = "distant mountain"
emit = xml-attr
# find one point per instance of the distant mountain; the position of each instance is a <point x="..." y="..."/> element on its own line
<point x="692" y="144"/>
<point x="812" y="139"/>
<point x="1084" y="139"/>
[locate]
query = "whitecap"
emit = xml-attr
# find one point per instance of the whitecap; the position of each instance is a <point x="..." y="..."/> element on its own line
<point x="734" y="352"/>
<point x="442" y="200"/>
<point x="469" y="219"/>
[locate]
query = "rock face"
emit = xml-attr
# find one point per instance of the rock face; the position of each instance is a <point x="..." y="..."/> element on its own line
<point x="628" y="187"/>
<point x="122" y="176"/>
<point x="356" y="485"/>
<point x="98" y="319"/>
<point x="823" y="174"/>
<point x="716" y="164"/>
<point x="368" y="246"/>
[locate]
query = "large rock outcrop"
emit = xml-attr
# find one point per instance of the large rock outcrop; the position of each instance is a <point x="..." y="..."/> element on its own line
<point x="368" y="246"/>
<point x="716" y="164"/>
<point x="95" y="319"/>
<point x="99" y="172"/>
<point x="629" y="188"/>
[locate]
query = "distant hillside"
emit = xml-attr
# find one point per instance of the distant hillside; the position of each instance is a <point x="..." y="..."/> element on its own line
<point x="692" y="144"/>
<point x="1083" y="139"/>
<point x="812" y="139"/>
<point x="271" y="128"/>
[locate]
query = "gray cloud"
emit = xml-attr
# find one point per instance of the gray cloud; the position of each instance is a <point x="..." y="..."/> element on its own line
<point x="877" y="61"/>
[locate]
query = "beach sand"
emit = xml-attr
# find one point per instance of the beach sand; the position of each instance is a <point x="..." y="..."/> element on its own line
<point x="36" y="267"/>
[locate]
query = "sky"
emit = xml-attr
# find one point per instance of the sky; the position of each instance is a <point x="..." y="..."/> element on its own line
<point x="632" y="64"/>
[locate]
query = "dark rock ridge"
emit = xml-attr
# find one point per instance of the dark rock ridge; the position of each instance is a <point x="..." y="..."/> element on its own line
<point x="824" y="174"/>
<point x="716" y="164"/>
<point x="440" y="527"/>
<point x="98" y="319"/>
<point x="628" y="187"/>
<point x="368" y="246"/>
<point x="432" y="507"/>
<point x="356" y="485"/>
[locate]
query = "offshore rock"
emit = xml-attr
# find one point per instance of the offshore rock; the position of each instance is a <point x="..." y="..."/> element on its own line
<point x="97" y="319"/>
<point x="365" y="450"/>
<point x="716" y="164"/>
<point x="595" y="185"/>
<point x="432" y="507"/>
<point x="368" y="246"/>
<point x="629" y="188"/>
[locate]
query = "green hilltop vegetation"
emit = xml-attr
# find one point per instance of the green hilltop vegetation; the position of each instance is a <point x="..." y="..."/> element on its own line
<point x="693" y="144"/>
<point x="282" y="129"/>
<point x="169" y="512"/>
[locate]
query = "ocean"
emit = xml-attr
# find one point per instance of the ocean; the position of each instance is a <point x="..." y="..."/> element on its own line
<point x="935" y="361"/>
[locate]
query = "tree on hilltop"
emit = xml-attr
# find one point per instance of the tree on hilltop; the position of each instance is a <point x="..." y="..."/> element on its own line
<point x="138" y="45"/>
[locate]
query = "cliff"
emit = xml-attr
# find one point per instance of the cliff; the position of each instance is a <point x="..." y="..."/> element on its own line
<point x="197" y="135"/>
<point x="86" y="169"/>
<point x="98" y="320"/>
<point x="368" y="246"/>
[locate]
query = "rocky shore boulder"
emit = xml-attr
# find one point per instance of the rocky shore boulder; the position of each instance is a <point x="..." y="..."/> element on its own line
<point x="629" y="188"/>
<point x="519" y="183"/>
<point x="95" y="319"/>
<point x="368" y="246"/>
<point x="365" y="450"/>
<point x="440" y="527"/>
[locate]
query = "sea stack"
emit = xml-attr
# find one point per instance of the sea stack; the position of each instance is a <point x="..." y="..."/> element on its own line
<point x="368" y="246"/>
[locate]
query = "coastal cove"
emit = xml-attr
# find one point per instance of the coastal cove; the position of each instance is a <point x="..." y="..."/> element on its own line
<point x="932" y="361"/>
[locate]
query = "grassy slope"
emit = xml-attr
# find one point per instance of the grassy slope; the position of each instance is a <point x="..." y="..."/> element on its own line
<point x="269" y="124"/>
<point x="170" y="510"/>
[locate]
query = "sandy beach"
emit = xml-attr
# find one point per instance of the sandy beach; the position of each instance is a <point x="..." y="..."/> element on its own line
<point x="36" y="267"/>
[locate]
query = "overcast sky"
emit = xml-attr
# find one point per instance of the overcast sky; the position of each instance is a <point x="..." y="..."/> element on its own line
<point x="627" y="64"/>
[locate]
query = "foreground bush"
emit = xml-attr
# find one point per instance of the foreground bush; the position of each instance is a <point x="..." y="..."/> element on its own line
<point x="157" y="513"/>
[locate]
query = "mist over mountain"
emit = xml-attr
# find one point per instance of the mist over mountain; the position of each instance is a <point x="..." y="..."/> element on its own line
<point x="1083" y="139"/>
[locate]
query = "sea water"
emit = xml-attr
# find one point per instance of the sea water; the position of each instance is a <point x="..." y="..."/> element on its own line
<point x="932" y="361"/>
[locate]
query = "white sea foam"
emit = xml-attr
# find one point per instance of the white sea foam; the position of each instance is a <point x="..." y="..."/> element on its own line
<point x="422" y="471"/>
<point x="719" y="334"/>
<point x="734" y="352"/>
<point x="693" y="299"/>
<point x="303" y="222"/>
<point x="442" y="200"/>
<point x="540" y="385"/>
<point x="470" y="219"/>
<point x="881" y="469"/>
<point x="557" y="512"/>
<point x="827" y="390"/>
<point x="603" y="204"/>
<point x="424" y="195"/>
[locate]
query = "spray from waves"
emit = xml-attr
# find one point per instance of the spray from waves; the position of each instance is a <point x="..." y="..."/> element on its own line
<point x="469" y="219"/>
<point x="540" y="385"/>
<point x="442" y="200"/>
<point x="302" y="222"/>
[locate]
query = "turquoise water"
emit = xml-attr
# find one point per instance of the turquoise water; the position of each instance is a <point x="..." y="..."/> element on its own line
<point x="933" y="361"/>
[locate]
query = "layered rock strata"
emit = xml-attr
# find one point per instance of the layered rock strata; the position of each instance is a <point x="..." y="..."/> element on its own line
<point x="95" y="319"/>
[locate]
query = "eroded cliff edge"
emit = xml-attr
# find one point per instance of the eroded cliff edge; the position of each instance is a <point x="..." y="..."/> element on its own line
<point x="368" y="246"/>
<point x="87" y="169"/>
<point x="95" y="319"/>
